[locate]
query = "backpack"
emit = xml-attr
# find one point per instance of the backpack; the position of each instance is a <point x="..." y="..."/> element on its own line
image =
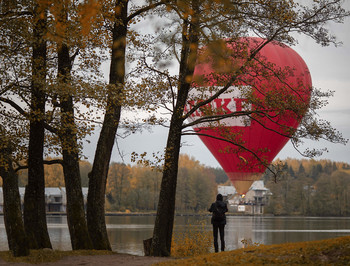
<point x="218" y="213"/>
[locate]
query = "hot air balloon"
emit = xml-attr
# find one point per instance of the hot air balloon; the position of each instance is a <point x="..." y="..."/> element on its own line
<point x="280" y="84"/>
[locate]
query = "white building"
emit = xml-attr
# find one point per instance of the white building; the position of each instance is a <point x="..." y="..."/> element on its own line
<point x="55" y="198"/>
<point x="252" y="203"/>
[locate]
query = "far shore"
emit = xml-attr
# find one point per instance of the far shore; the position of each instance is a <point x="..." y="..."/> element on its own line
<point x="154" y="214"/>
<point x="176" y="214"/>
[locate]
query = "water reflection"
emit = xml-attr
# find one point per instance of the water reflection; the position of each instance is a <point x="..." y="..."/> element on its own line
<point x="126" y="233"/>
<point x="127" y="237"/>
<point x="59" y="233"/>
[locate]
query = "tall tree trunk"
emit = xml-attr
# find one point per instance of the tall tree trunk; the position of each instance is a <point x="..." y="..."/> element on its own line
<point x="98" y="175"/>
<point x="163" y="227"/>
<point x="16" y="236"/>
<point x="34" y="200"/>
<point x="75" y="201"/>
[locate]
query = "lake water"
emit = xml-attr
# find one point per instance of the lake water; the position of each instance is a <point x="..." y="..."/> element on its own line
<point x="126" y="233"/>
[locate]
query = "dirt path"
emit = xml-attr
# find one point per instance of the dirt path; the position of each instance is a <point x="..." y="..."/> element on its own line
<point x="117" y="259"/>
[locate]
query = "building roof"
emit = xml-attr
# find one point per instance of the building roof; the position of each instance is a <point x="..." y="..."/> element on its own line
<point x="258" y="185"/>
<point x="49" y="191"/>
<point x="226" y="190"/>
<point x="53" y="191"/>
<point x="231" y="190"/>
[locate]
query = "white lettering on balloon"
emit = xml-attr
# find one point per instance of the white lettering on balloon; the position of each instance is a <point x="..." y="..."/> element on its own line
<point x="226" y="103"/>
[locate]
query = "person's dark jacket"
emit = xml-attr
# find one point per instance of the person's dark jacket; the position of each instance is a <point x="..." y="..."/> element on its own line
<point x="221" y="207"/>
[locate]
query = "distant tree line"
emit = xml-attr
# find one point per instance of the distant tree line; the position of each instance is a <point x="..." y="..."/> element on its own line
<point x="136" y="188"/>
<point x="309" y="187"/>
<point x="305" y="187"/>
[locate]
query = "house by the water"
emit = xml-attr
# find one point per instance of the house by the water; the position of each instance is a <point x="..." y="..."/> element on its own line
<point x="55" y="198"/>
<point x="252" y="203"/>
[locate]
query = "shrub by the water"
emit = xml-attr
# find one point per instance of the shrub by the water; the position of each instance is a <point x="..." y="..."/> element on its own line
<point x="192" y="242"/>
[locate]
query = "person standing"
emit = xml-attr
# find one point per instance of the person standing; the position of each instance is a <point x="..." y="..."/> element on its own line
<point x="218" y="220"/>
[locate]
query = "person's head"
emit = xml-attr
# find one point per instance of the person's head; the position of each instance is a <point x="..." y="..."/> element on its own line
<point x="219" y="197"/>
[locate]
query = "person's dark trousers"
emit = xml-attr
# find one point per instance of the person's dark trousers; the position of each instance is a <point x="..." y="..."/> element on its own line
<point x="220" y="228"/>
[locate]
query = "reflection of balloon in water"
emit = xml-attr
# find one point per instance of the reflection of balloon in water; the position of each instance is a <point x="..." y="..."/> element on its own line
<point x="256" y="133"/>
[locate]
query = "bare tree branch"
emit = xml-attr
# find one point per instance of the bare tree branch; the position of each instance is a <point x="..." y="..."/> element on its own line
<point x="47" y="162"/>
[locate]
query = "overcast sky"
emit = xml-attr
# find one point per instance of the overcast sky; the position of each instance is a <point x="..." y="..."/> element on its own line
<point x="330" y="69"/>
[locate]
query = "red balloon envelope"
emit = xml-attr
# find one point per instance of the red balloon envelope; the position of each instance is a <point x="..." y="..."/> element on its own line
<point x="264" y="135"/>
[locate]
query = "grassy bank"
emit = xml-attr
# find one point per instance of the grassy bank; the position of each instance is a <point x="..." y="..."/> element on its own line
<point x="324" y="252"/>
<point x="48" y="255"/>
